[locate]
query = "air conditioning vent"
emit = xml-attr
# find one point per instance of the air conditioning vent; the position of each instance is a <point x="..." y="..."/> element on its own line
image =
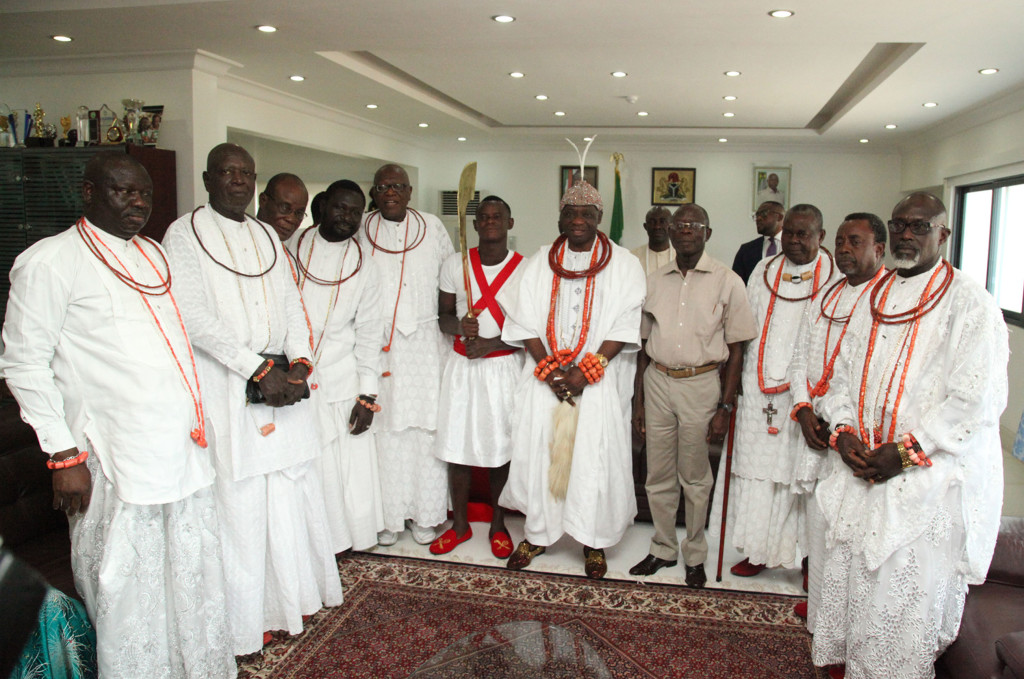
<point x="450" y="203"/>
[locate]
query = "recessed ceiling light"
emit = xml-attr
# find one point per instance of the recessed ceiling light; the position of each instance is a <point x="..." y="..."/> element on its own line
<point x="297" y="78"/>
<point x="559" y="113"/>
<point x="989" y="71"/>
<point x="781" y="13"/>
<point x="732" y="74"/>
<point x="730" y="97"/>
<point x="864" y="141"/>
<point x="728" y="114"/>
<point x="61" y="38"/>
<point x="588" y="139"/>
<point x="424" y="125"/>
<point x="891" y="126"/>
<point x="503" y="19"/>
<point x="541" y="97"/>
<point x="461" y="139"/>
<point x="516" y="74"/>
<point x="929" y="104"/>
<point x="371" y="106"/>
<point x="722" y="140"/>
<point x="266" y="29"/>
<point x="642" y="114"/>
<point x="619" y="74"/>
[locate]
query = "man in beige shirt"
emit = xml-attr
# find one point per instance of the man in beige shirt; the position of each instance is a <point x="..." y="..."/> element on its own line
<point x="696" y="317"/>
<point x="658" y="251"/>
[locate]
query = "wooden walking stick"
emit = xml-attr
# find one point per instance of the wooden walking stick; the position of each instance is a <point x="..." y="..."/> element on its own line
<point x="725" y="493"/>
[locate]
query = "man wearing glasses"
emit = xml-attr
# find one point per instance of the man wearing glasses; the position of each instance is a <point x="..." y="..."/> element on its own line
<point x="283" y="204"/>
<point x="768" y="220"/>
<point x="409" y="246"/>
<point x="913" y="513"/>
<point x="695" y="319"/>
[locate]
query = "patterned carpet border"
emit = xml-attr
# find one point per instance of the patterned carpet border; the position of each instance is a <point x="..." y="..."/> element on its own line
<point x="364" y="574"/>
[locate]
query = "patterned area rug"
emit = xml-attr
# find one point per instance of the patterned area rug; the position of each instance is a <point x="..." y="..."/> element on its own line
<point x="405" y="617"/>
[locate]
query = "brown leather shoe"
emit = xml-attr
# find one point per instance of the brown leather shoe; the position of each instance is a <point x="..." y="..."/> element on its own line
<point x="695" y="576"/>
<point x="651" y="565"/>
<point x="595" y="564"/>
<point x="523" y="555"/>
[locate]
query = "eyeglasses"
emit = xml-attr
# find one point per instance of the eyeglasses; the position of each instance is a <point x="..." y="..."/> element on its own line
<point x="383" y="188"/>
<point x="284" y="208"/>
<point x="766" y="213"/>
<point x="918" y="227"/>
<point x="687" y="226"/>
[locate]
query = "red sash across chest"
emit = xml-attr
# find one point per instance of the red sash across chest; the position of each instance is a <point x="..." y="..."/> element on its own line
<point x="486" y="301"/>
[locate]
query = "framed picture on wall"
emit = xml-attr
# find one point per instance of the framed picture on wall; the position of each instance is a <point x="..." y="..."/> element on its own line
<point x="771" y="183"/>
<point x="673" y="185"/>
<point x="570" y="173"/>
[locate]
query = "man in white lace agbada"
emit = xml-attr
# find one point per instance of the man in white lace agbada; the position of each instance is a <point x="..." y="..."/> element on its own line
<point x="99" y="361"/>
<point x="244" y="315"/>
<point x="914" y="512"/>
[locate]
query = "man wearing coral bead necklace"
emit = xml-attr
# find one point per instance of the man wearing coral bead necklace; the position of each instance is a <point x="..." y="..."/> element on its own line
<point x="99" y="360"/>
<point x="767" y="495"/>
<point x="860" y="250"/>
<point x="409" y="248"/>
<point x="576" y="311"/>
<point x="912" y="515"/>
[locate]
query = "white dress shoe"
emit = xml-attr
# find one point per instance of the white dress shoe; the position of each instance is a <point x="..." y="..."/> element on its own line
<point x="423" y="535"/>
<point x="386" y="538"/>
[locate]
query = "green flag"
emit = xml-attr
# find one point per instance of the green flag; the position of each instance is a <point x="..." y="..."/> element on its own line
<point x="618" y="222"/>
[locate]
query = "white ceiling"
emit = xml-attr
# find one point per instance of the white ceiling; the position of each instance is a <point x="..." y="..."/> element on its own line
<point x="446" y="63"/>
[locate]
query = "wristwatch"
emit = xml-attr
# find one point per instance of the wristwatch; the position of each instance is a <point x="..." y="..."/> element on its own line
<point x="602" y="360"/>
<point x="727" y="407"/>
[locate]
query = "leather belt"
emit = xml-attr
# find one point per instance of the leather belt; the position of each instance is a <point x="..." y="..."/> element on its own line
<point x="679" y="373"/>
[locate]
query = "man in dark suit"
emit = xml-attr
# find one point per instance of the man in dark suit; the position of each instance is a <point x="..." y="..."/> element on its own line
<point x="768" y="219"/>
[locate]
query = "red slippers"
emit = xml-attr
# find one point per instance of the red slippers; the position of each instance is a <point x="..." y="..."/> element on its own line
<point x="501" y="545"/>
<point x="449" y="541"/>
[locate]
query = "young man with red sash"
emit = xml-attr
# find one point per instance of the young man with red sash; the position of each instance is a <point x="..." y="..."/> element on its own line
<point x="474" y="426"/>
<point x="576" y="310"/>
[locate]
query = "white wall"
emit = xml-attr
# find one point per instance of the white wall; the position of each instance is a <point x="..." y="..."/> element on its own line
<point x="964" y="152"/>
<point x="838" y="183"/>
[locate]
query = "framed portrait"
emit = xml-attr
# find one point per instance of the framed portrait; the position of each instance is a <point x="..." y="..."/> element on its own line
<point x="149" y="124"/>
<point x="570" y="173"/>
<point x="673" y="185"/>
<point x="771" y="183"/>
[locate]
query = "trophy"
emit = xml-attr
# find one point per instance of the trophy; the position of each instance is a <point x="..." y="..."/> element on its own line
<point x="110" y="128"/>
<point x="82" y="123"/>
<point x="132" y="107"/>
<point x="6" y="137"/>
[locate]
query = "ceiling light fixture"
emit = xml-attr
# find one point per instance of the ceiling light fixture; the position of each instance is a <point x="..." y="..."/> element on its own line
<point x="424" y="125"/>
<point x="728" y="114"/>
<point x="61" y="38"/>
<point x="296" y="78"/>
<point x="733" y="74"/>
<point x="780" y="13"/>
<point x="722" y="140"/>
<point x="619" y="74"/>
<point x="642" y="114"/>
<point x="588" y="139"/>
<point x="504" y="19"/>
<point x="559" y="113"/>
<point x="989" y="71"/>
<point x="516" y="74"/>
<point x="864" y="141"/>
<point x="266" y="28"/>
<point x="891" y="126"/>
<point x="461" y="139"/>
<point x="541" y="97"/>
<point x="929" y="104"/>
<point x="730" y="97"/>
<point x="371" y="106"/>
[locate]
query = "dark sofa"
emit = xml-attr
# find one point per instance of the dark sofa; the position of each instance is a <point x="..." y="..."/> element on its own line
<point x="991" y="640"/>
<point x="30" y="527"/>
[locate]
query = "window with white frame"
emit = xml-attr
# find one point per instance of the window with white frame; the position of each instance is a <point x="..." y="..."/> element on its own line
<point x="988" y="241"/>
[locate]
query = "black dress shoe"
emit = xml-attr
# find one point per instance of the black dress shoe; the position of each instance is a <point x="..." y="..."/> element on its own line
<point x="695" y="576"/>
<point x="651" y="565"/>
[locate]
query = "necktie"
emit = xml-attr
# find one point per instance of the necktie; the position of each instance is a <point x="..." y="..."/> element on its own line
<point x="772" y="248"/>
